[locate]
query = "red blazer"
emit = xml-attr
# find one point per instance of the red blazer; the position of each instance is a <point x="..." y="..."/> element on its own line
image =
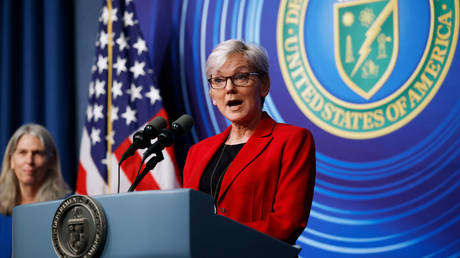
<point x="269" y="185"/>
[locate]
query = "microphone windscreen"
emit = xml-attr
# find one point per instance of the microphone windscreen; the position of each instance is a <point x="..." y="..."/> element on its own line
<point x="183" y="124"/>
<point x="159" y="123"/>
<point x="153" y="129"/>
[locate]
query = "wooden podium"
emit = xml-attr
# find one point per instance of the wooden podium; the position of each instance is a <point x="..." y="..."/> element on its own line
<point x="167" y="223"/>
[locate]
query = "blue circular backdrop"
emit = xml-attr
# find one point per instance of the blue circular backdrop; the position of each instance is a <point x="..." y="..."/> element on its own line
<point x="397" y="194"/>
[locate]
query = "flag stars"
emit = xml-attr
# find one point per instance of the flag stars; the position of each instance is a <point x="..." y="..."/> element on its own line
<point x="122" y="42"/>
<point x="105" y="15"/>
<point x="129" y="115"/>
<point x="104" y="161"/>
<point x="99" y="88"/>
<point x="140" y="45"/>
<point x="137" y="69"/>
<point x="114" y="113"/>
<point x="102" y="63"/>
<point x="153" y="95"/>
<point x="120" y="65"/>
<point x="135" y="92"/>
<point x="89" y="112"/>
<point x="91" y="89"/>
<point x="116" y="89"/>
<point x="110" y="137"/>
<point x="128" y="19"/>
<point x="105" y="39"/>
<point x="97" y="112"/>
<point x="95" y="135"/>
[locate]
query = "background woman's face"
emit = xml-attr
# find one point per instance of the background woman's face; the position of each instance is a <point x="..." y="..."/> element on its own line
<point x="29" y="161"/>
<point x="239" y="104"/>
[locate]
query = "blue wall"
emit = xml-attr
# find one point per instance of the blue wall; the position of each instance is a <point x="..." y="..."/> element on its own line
<point x="387" y="185"/>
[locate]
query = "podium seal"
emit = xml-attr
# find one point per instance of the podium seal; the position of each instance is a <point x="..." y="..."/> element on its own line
<point x="79" y="227"/>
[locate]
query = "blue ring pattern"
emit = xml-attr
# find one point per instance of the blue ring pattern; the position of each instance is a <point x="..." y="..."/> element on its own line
<point x="345" y="190"/>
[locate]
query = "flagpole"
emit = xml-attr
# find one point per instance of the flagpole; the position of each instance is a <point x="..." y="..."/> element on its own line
<point x="109" y="94"/>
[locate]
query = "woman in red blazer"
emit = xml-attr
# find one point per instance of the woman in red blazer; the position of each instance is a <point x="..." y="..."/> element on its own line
<point x="259" y="172"/>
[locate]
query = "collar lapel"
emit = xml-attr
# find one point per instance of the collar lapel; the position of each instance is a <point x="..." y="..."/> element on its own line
<point x="250" y="151"/>
<point x="208" y="153"/>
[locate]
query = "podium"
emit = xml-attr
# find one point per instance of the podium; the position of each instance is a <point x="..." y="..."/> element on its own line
<point x="167" y="223"/>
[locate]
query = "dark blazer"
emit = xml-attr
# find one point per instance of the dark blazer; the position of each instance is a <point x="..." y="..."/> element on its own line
<point x="269" y="185"/>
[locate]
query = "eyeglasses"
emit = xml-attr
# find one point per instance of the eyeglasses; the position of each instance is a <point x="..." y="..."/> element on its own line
<point x="238" y="79"/>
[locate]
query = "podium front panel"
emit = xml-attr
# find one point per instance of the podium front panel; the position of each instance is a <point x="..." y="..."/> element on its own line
<point x="167" y="223"/>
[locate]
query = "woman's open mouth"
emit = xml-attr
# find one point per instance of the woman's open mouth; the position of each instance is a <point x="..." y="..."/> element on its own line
<point x="233" y="103"/>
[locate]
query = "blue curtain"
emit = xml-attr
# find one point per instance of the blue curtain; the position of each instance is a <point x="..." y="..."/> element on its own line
<point x="37" y="78"/>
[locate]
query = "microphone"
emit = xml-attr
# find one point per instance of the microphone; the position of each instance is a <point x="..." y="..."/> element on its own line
<point x="142" y="138"/>
<point x="168" y="136"/>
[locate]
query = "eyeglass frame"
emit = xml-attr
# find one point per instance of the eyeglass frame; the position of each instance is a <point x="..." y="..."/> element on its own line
<point x="231" y="79"/>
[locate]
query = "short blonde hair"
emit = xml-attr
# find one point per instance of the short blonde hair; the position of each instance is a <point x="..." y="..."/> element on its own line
<point x="53" y="187"/>
<point x="255" y="54"/>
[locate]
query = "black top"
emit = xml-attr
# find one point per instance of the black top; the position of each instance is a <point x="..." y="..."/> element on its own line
<point x="211" y="180"/>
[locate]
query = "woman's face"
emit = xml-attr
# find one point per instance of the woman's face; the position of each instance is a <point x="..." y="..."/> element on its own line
<point x="240" y="105"/>
<point x="29" y="161"/>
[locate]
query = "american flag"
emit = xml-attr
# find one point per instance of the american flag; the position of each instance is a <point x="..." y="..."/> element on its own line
<point x="123" y="98"/>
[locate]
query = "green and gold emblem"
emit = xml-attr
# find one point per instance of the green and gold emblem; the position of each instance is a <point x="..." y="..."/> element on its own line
<point x="366" y="43"/>
<point x="366" y="50"/>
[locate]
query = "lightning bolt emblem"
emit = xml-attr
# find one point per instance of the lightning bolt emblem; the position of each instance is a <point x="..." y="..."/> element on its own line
<point x="372" y="34"/>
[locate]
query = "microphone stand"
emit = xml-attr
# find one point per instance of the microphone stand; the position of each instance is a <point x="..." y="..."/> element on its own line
<point x="149" y="166"/>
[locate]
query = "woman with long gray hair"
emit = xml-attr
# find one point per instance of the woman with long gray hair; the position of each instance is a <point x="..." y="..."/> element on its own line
<point x="31" y="172"/>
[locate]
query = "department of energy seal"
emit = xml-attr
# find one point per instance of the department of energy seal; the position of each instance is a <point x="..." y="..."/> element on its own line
<point x="362" y="69"/>
<point x="79" y="227"/>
